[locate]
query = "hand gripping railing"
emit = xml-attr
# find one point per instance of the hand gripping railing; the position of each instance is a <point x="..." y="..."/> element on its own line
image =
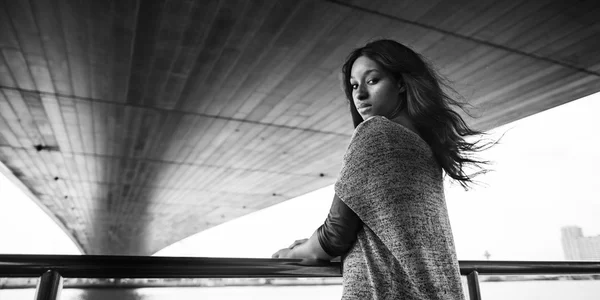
<point x="52" y="268"/>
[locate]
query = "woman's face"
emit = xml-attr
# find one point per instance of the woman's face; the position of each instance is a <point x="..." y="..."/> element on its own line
<point x="374" y="91"/>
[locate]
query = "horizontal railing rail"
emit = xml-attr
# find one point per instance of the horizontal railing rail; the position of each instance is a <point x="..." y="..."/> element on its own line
<point x="95" y="266"/>
<point x="52" y="268"/>
<point x="99" y="266"/>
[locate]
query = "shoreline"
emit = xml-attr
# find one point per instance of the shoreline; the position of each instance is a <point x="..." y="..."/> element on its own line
<point x="86" y="283"/>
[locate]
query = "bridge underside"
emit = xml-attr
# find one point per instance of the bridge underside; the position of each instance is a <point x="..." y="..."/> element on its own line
<point x="139" y="123"/>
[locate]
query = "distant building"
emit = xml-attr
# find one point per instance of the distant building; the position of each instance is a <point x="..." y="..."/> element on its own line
<point x="579" y="247"/>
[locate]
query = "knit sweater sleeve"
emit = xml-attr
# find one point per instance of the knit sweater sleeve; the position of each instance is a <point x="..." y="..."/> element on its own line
<point x="366" y="166"/>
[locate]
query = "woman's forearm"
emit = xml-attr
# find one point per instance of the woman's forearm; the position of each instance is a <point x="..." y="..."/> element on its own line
<point x="336" y="236"/>
<point x="311" y="249"/>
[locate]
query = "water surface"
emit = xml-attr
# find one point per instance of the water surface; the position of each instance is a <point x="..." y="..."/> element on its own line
<point x="519" y="290"/>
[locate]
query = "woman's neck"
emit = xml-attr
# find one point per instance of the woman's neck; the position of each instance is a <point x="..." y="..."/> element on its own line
<point x="403" y="119"/>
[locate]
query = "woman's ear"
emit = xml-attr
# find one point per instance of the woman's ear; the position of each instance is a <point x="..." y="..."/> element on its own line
<point x="402" y="87"/>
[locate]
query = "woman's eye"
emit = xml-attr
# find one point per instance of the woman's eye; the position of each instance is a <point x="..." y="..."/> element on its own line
<point x="373" y="81"/>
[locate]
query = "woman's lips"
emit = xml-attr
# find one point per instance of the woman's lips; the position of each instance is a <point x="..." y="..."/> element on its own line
<point x="363" y="106"/>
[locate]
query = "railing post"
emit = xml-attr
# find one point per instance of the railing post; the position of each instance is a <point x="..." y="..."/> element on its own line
<point x="473" y="281"/>
<point x="49" y="286"/>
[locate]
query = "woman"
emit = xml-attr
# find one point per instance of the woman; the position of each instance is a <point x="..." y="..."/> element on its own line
<point x="388" y="219"/>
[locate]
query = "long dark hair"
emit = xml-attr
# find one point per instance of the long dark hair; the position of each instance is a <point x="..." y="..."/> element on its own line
<point x="428" y="106"/>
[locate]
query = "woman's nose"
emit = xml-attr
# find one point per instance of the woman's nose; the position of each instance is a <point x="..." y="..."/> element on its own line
<point x="361" y="94"/>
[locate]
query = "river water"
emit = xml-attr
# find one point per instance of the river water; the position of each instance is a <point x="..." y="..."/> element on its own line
<point x="519" y="290"/>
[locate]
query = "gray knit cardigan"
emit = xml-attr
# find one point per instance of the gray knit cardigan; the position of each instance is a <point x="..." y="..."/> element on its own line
<point x="405" y="249"/>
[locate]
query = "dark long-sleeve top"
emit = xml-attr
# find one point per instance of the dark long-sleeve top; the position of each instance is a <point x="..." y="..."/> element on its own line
<point x="339" y="231"/>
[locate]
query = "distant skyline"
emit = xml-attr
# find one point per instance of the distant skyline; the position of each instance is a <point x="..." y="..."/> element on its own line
<point x="546" y="173"/>
<point x="578" y="246"/>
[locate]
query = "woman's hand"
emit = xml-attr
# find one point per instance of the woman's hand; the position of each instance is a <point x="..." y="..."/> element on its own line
<point x="283" y="253"/>
<point x="304" y="249"/>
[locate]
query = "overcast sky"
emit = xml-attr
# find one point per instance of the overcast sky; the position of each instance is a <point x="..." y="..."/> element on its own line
<point x="546" y="168"/>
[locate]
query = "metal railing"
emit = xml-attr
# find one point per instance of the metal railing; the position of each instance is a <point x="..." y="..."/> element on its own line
<point x="51" y="269"/>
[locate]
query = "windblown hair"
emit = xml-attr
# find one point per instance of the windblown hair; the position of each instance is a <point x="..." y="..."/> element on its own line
<point x="428" y="106"/>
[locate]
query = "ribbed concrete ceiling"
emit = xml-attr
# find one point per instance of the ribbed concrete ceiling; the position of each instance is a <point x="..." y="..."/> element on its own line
<point x="139" y="123"/>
